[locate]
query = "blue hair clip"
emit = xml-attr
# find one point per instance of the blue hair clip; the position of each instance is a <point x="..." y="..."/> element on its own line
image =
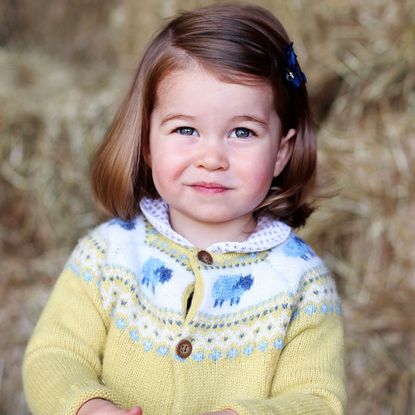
<point x="293" y="73"/>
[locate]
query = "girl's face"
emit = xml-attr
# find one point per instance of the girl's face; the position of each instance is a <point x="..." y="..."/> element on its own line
<point x="214" y="148"/>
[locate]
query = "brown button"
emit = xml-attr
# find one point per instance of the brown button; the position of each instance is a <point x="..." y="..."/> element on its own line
<point x="205" y="257"/>
<point x="184" y="348"/>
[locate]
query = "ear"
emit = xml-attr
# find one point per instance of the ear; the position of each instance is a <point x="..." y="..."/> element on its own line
<point x="285" y="150"/>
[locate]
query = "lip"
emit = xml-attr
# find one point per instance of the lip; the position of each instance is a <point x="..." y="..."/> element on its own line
<point x="208" y="187"/>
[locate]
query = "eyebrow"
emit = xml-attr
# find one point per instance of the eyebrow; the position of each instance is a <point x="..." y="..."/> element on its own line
<point x="249" y="118"/>
<point x="170" y="117"/>
<point x="184" y="117"/>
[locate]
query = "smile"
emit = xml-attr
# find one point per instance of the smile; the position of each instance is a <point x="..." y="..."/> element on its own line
<point x="210" y="188"/>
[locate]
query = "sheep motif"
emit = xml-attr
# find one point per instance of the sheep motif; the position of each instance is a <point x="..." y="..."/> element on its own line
<point x="296" y="247"/>
<point x="154" y="272"/>
<point x="230" y="288"/>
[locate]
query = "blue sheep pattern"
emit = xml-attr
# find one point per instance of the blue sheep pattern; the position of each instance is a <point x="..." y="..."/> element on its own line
<point x="296" y="247"/>
<point x="231" y="288"/>
<point x="155" y="272"/>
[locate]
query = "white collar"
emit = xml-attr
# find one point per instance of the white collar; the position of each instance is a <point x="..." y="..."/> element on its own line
<point x="268" y="233"/>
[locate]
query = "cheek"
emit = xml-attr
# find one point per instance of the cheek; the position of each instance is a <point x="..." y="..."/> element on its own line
<point x="159" y="170"/>
<point x="165" y="168"/>
<point x="262" y="183"/>
<point x="257" y="174"/>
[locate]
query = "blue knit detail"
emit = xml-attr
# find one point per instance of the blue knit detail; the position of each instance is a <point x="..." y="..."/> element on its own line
<point x="127" y="225"/>
<point x="215" y="355"/>
<point x="134" y="335"/>
<point x="248" y="350"/>
<point x="87" y="276"/>
<point x="121" y="324"/>
<point x="232" y="353"/>
<point x="162" y="350"/>
<point x="297" y="248"/>
<point x="148" y="345"/>
<point x="279" y="344"/>
<point x="198" y="357"/>
<point x="310" y="309"/>
<point x="155" y="272"/>
<point x="231" y="288"/>
<point x="263" y="346"/>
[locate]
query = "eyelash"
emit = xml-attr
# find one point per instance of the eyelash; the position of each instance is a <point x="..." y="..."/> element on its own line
<point x="180" y="131"/>
<point x="250" y="132"/>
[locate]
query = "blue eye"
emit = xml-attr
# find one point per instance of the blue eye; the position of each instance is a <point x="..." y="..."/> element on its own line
<point x="241" y="132"/>
<point x="186" y="131"/>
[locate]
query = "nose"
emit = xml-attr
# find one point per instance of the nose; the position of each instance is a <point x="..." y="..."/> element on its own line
<point x="212" y="155"/>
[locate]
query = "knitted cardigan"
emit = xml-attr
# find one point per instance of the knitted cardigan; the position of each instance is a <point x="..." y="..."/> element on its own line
<point x="261" y="317"/>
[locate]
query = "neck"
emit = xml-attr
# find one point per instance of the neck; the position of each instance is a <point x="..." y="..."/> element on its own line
<point x="204" y="234"/>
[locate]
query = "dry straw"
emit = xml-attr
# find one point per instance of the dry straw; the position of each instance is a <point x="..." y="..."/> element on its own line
<point x="56" y="102"/>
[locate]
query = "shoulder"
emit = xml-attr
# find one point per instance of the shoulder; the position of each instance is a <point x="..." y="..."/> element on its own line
<point x="104" y="241"/>
<point x="295" y="262"/>
<point x="294" y="253"/>
<point x="118" y="231"/>
<point x="295" y="247"/>
<point x="307" y="278"/>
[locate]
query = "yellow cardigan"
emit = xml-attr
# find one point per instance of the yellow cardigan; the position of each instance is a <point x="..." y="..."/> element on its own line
<point x="141" y="317"/>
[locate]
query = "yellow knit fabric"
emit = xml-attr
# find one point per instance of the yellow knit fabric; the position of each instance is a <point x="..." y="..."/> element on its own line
<point x="100" y="336"/>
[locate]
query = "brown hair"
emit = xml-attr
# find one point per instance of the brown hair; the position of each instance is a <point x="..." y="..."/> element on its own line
<point x="243" y="44"/>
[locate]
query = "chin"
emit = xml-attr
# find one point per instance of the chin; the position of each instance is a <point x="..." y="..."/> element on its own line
<point x="216" y="218"/>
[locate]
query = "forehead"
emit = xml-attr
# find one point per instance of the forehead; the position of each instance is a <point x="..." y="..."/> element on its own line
<point x="196" y="87"/>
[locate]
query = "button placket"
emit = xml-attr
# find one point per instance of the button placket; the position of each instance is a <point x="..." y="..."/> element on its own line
<point x="184" y="347"/>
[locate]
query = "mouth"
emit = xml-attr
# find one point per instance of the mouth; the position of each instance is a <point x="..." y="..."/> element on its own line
<point x="210" y="188"/>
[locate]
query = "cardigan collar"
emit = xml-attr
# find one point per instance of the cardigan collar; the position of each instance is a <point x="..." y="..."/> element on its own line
<point x="268" y="233"/>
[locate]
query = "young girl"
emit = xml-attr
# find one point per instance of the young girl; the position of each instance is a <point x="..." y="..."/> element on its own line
<point x="198" y="297"/>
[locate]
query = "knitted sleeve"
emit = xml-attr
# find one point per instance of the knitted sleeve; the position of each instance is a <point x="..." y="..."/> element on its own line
<point x="62" y="363"/>
<point x="309" y="377"/>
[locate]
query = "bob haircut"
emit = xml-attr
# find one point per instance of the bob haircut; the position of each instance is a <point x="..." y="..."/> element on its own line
<point x="242" y="44"/>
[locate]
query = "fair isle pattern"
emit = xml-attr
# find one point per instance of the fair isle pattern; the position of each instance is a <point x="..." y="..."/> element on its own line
<point x="244" y="309"/>
<point x="268" y="232"/>
<point x="177" y="252"/>
<point x="257" y="329"/>
<point x="87" y="259"/>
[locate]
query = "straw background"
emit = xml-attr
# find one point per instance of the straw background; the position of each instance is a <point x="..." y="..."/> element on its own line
<point x="64" y="68"/>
